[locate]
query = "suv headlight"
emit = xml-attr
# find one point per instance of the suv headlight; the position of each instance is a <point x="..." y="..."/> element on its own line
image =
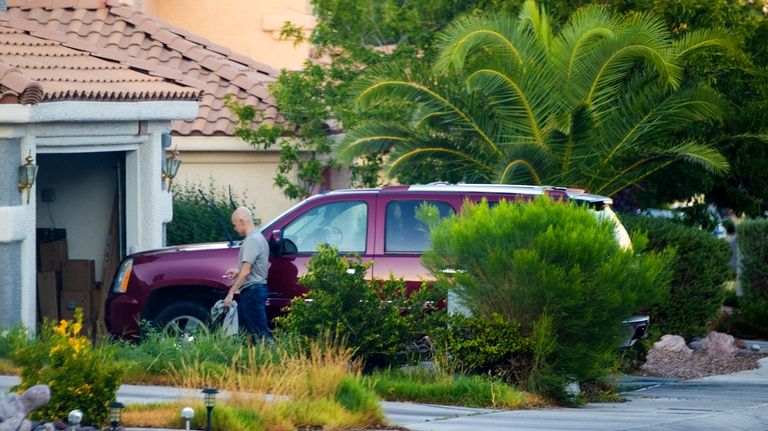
<point x="120" y="285"/>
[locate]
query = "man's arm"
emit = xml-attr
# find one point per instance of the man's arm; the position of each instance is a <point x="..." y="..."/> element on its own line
<point x="245" y="269"/>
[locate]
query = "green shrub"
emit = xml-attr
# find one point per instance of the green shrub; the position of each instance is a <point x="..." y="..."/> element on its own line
<point x="555" y="270"/>
<point x="79" y="376"/>
<point x="376" y="318"/>
<point x="700" y="268"/>
<point x="193" y="221"/>
<point x="752" y="237"/>
<point x="485" y="345"/>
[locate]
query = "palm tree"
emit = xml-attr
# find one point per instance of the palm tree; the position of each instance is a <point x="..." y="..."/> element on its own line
<point x="596" y="105"/>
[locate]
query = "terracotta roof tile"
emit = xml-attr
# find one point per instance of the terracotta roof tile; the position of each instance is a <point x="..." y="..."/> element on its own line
<point x="34" y="70"/>
<point x="111" y="30"/>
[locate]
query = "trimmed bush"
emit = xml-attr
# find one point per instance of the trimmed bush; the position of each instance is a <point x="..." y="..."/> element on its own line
<point x="753" y="244"/>
<point x="193" y="221"/>
<point x="485" y="345"/>
<point x="700" y="267"/>
<point x="558" y="272"/>
<point x="752" y="237"/>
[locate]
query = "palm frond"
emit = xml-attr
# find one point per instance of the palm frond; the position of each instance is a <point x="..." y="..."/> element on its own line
<point x="695" y="40"/>
<point x="369" y="138"/>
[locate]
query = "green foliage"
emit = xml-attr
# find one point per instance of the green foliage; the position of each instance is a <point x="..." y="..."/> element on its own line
<point x="485" y="345"/>
<point x="79" y="375"/>
<point x="752" y="237"/>
<point x="555" y="270"/>
<point x="700" y="267"/>
<point x="425" y="386"/>
<point x="193" y="221"/>
<point x="160" y="354"/>
<point x="351" y="33"/>
<point x="376" y="318"/>
<point x="511" y="100"/>
<point x="749" y="319"/>
<point x="742" y="77"/>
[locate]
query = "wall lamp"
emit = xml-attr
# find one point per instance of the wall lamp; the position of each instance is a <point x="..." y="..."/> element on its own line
<point x="27" y="175"/>
<point x="171" y="168"/>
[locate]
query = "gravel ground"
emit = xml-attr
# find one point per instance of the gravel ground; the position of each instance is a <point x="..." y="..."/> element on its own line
<point x="698" y="364"/>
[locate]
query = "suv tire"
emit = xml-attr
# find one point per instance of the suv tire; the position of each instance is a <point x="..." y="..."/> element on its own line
<point x="183" y="319"/>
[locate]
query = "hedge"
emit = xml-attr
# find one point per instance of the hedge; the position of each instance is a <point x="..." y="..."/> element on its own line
<point x="700" y="268"/>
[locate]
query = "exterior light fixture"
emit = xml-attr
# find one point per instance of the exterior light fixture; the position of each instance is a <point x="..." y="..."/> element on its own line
<point x="171" y="168"/>
<point x="27" y="175"/>
<point x="74" y="418"/>
<point x="209" y="395"/>
<point x="115" y="411"/>
<point x="187" y="413"/>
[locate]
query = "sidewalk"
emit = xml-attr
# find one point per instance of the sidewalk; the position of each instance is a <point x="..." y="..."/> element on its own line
<point x="736" y="401"/>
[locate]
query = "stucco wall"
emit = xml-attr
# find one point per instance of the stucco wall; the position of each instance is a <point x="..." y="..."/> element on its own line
<point x="17" y="235"/>
<point x="250" y="27"/>
<point x="249" y="172"/>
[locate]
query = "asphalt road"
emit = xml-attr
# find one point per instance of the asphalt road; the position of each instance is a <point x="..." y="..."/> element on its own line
<point x="736" y="401"/>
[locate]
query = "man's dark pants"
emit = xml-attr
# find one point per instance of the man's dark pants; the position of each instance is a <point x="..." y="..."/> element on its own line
<point x="252" y="311"/>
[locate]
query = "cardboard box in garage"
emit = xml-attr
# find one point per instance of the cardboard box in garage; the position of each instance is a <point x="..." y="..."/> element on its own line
<point x="78" y="275"/>
<point x="72" y="300"/>
<point x="52" y="255"/>
<point x="48" y="295"/>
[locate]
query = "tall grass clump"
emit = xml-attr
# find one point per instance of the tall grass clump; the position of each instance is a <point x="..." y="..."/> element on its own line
<point x="437" y="387"/>
<point x="555" y="270"/>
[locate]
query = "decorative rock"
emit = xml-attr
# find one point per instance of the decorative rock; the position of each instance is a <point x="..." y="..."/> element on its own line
<point x="14" y="408"/>
<point x="719" y="344"/>
<point x="672" y="343"/>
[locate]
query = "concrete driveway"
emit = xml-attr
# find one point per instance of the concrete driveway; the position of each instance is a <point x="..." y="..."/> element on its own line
<point x="736" y="401"/>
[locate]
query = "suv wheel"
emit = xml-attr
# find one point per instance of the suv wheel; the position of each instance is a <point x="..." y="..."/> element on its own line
<point x="183" y="319"/>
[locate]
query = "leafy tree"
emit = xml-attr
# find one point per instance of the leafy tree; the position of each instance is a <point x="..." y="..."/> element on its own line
<point x="510" y="100"/>
<point x="354" y="35"/>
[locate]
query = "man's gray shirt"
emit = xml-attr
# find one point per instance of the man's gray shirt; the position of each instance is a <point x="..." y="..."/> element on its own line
<point x="255" y="250"/>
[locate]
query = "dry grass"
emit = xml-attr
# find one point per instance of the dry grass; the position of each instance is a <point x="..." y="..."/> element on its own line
<point x="8" y="369"/>
<point x="315" y="374"/>
<point x="322" y="387"/>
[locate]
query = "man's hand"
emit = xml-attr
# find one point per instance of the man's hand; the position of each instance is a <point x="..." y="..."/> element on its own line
<point x="231" y="273"/>
<point x="228" y="299"/>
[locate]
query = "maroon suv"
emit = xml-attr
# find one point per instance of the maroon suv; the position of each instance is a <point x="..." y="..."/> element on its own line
<point x="176" y="286"/>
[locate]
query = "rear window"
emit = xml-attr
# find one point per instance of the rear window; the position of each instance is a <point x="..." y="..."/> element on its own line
<point x="404" y="232"/>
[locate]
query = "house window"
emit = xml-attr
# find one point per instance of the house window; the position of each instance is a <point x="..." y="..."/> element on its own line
<point x="404" y="232"/>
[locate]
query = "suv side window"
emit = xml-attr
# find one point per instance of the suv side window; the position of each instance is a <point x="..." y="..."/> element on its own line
<point x="404" y="233"/>
<point x="343" y="225"/>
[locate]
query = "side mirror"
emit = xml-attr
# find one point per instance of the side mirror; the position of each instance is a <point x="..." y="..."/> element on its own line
<point x="279" y="246"/>
<point x="276" y="243"/>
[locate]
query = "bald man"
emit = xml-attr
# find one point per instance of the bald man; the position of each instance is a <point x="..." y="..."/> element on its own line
<point x="251" y="277"/>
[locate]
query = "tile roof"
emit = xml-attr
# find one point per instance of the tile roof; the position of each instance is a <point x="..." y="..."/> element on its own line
<point x="34" y="70"/>
<point x="111" y="30"/>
